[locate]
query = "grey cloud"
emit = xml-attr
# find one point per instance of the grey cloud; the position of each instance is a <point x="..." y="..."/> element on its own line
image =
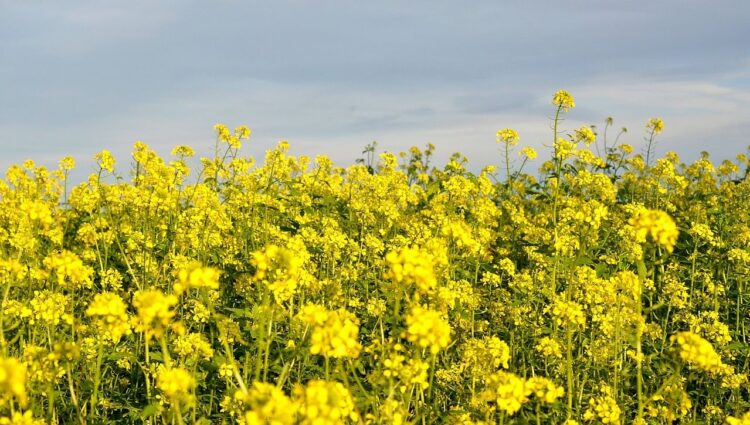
<point x="78" y="77"/>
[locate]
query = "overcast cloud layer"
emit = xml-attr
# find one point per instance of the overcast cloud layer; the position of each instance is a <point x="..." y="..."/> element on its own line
<point x="331" y="76"/>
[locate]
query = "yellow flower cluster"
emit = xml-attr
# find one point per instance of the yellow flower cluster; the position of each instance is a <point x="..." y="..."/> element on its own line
<point x="563" y="100"/>
<point x="699" y="353"/>
<point x="49" y="308"/>
<point x="176" y="383"/>
<point x="744" y="420"/>
<point x="486" y="355"/>
<point x="510" y="392"/>
<point x="269" y="406"/>
<point x="69" y="269"/>
<point x="12" y="381"/>
<point x="67" y="163"/>
<point x="657" y="225"/>
<point x="110" y="313"/>
<point x="411" y="266"/>
<point x="391" y="291"/>
<point x="672" y="403"/>
<point x="42" y="366"/>
<point x="564" y="149"/>
<point x="106" y="161"/>
<point x="507" y="135"/>
<point x="548" y="347"/>
<point x="19" y="418"/>
<point x="154" y="311"/>
<point x="585" y="135"/>
<point x="334" y="333"/>
<point x="11" y="271"/>
<point x="603" y="409"/>
<point x="280" y="269"/>
<point x="544" y="389"/>
<point x="656" y="125"/>
<point x="428" y="329"/>
<point x="193" y="346"/>
<point x="194" y="275"/>
<point x="409" y="372"/>
<point x="325" y="403"/>
<point x="233" y="139"/>
<point x="567" y="313"/>
<point x="37" y="212"/>
<point x="703" y="232"/>
<point x="528" y="152"/>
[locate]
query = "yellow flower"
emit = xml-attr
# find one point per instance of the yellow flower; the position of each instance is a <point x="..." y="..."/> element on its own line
<point x="18" y="418"/>
<point x="280" y="269"/>
<point x="198" y="312"/>
<point x="461" y="235"/>
<point x="111" y="314"/>
<point x="325" y="403"/>
<point x="335" y="333"/>
<point x="657" y="225"/>
<point x="176" y="383"/>
<point x="427" y="328"/>
<point x="548" y="347"/>
<point x="699" y="353"/>
<point x="183" y="150"/>
<point x="67" y="163"/>
<point x="603" y="409"/>
<point x="655" y="125"/>
<point x="564" y="149"/>
<point x="154" y="311"/>
<point x="567" y="313"/>
<point x="69" y="269"/>
<point x="733" y="381"/>
<point x="11" y="271"/>
<point x="193" y="346"/>
<point x="49" y="308"/>
<point x="105" y="160"/>
<point x="242" y="132"/>
<point x="507" y="135"/>
<point x="222" y="131"/>
<point x="744" y="420"/>
<point x="12" y="380"/>
<point x="411" y="266"/>
<point x="269" y="406"/>
<point x="585" y="135"/>
<point x="37" y="211"/>
<point x="486" y="355"/>
<point x="196" y="276"/>
<point x="226" y="370"/>
<point x="233" y="140"/>
<point x="544" y="389"/>
<point x="509" y="391"/>
<point x="111" y="279"/>
<point x="528" y="152"/>
<point x="563" y="100"/>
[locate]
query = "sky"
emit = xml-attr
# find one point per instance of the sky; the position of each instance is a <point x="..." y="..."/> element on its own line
<point x="330" y="77"/>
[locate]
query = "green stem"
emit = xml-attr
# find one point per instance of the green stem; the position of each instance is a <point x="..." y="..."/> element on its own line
<point x="508" y="177"/>
<point x="569" y="368"/>
<point x="97" y="377"/>
<point x="73" y="396"/>
<point x="558" y="170"/>
<point x="638" y="337"/>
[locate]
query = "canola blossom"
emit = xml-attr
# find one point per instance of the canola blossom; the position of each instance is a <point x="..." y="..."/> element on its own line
<point x="585" y="284"/>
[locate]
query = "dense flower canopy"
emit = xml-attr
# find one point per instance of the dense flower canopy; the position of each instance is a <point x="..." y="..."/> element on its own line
<point x="602" y="289"/>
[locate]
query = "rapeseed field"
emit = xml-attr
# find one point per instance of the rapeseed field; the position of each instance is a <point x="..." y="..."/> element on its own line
<point x="607" y="287"/>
